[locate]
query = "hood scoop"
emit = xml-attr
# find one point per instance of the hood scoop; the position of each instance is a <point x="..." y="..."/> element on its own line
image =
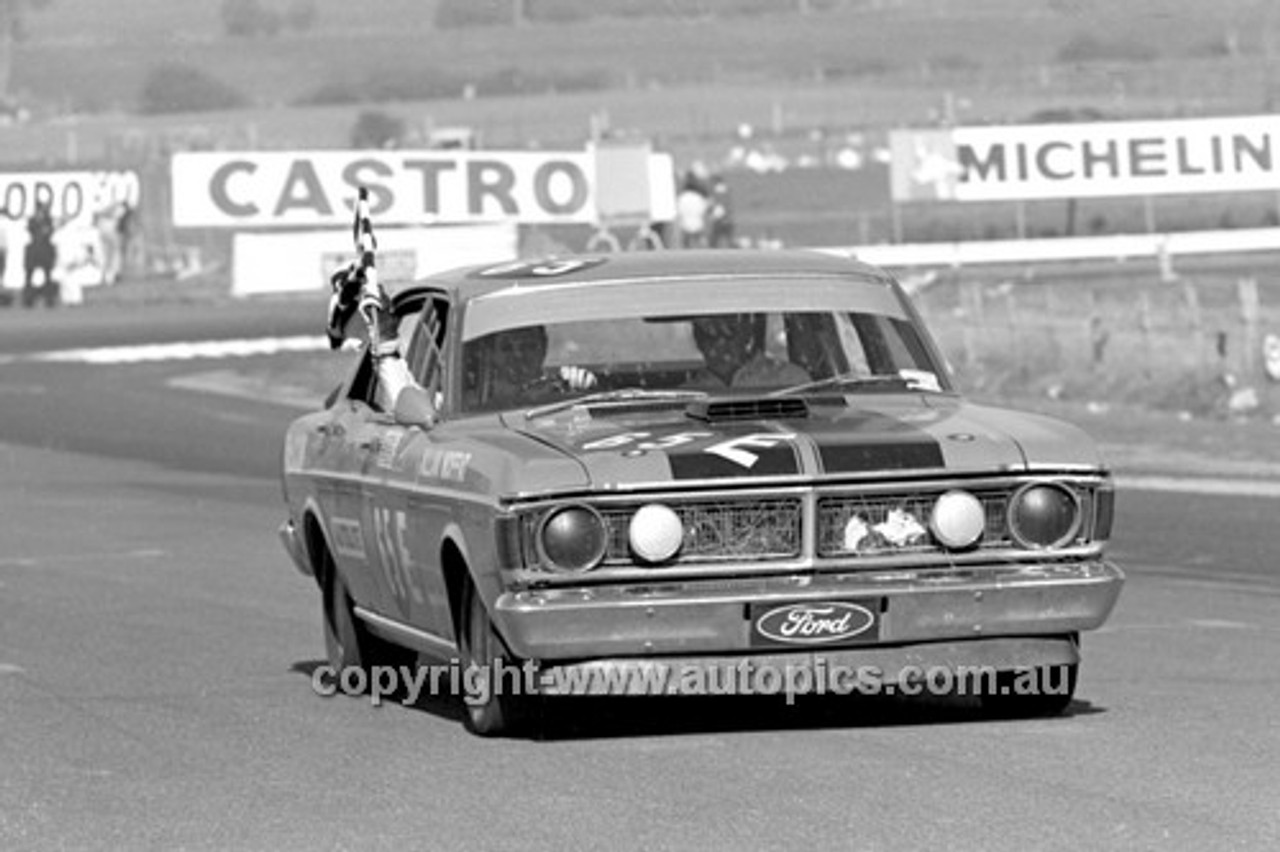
<point x="724" y="410"/>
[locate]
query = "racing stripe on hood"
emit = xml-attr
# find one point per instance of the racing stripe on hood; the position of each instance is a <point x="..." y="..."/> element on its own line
<point x="870" y="441"/>
<point x="744" y="452"/>
<point x="674" y="449"/>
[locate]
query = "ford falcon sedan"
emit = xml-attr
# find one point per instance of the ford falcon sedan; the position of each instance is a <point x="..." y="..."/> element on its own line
<point x="689" y="462"/>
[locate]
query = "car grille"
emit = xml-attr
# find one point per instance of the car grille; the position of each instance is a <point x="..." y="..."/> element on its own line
<point x="847" y="524"/>
<point x="738" y="530"/>
<point x="764" y="529"/>
<point x="873" y="525"/>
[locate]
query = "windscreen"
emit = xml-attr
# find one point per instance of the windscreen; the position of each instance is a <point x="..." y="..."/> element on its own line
<point x="721" y="352"/>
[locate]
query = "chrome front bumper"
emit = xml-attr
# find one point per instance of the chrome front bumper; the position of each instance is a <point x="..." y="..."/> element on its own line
<point x="871" y="670"/>
<point x="710" y="617"/>
<point x="294" y="546"/>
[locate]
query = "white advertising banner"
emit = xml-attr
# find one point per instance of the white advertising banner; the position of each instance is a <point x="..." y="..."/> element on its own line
<point x="1092" y="159"/>
<point x="301" y="262"/>
<point x="318" y="188"/>
<point x="73" y="196"/>
<point x="86" y="208"/>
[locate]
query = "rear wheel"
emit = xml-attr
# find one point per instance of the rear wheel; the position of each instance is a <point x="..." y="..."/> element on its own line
<point x="496" y="709"/>
<point x="1027" y="693"/>
<point x="348" y="643"/>
<point x="342" y="632"/>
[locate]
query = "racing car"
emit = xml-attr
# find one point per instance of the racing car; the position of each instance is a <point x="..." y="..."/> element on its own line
<point x="685" y="461"/>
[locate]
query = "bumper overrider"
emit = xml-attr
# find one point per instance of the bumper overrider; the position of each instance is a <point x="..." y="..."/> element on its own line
<point x="1004" y="617"/>
<point x="294" y="546"/>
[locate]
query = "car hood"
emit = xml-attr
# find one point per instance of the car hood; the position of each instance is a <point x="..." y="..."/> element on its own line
<point x="857" y="436"/>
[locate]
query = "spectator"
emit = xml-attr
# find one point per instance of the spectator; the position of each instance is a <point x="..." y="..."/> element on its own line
<point x="699" y="178"/>
<point x="41" y="255"/>
<point x="126" y="230"/>
<point x="691" y="215"/>
<point x="107" y="223"/>
<point x="720" y="215"/>
<point x="733" y="351"/>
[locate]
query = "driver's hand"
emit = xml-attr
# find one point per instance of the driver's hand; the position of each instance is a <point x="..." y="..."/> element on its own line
<point x="577" y="378"/>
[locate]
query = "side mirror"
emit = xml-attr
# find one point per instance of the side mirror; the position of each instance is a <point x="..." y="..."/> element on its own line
<point x="415" y="407"/>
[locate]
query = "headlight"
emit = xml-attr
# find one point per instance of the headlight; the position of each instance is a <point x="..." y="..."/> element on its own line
<point x="573" y="538"/>
<point x="1044" y="515"/>
<point x="655" y="533"/>
<point x="958" y="520"/>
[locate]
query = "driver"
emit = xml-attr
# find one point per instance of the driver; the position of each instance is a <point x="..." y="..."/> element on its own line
<point x="517" y="376"/>
<point x="734" y="358"/>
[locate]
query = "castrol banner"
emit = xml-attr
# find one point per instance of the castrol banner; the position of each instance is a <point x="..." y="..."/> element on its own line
<point x="318" y="188"/>
<point x="1086" y="160"/>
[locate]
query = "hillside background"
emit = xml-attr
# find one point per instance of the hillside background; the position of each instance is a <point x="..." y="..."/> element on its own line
<point x="776" y="64"/>
<point x="94" y="55"/>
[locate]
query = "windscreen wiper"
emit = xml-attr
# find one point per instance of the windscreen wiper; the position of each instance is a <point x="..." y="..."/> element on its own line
<point x="848" y="380"/>
<point x="619" y="395"/>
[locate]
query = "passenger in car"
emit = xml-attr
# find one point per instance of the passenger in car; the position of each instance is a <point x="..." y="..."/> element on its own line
<point x="814" y="343"/>
<point x="357" y="294"/>
<point x="734" y="355"/>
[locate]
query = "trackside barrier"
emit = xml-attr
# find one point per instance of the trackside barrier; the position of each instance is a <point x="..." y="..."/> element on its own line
<point x="1116" y="247"/>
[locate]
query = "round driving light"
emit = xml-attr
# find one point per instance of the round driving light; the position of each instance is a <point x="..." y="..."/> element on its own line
<point x="573" y="538"/>
<point x="656" y="533"/>
<point x="1043" y="515"/>
<point x="958" y="520"/>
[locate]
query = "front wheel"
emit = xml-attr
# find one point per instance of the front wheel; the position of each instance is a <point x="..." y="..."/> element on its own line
<point x="495" y="707"/>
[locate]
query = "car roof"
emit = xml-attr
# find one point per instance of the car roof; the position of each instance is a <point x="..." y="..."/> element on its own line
<point x="639" y="268"/>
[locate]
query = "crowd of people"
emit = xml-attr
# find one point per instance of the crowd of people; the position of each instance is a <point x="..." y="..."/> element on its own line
<point x="47" y="270"/>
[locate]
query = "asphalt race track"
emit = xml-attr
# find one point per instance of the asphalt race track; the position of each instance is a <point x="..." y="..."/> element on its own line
<point x="156" y="651"/>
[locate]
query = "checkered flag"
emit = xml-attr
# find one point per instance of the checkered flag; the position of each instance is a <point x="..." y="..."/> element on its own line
<point x="355" y="287"/>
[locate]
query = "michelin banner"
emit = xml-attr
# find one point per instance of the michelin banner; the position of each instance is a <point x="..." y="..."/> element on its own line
<point x="317" y="188"/>
<point x="1086" y="160"/>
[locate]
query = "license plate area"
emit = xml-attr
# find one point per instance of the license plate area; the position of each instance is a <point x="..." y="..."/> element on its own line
<point x="815" y="624"/>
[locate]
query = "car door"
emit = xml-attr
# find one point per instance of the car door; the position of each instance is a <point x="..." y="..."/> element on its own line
<point x="344" y="439"/>
<point x="405" y="518"/>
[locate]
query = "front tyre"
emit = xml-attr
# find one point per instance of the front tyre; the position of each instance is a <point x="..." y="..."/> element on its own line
<point x="495" y="709"/>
